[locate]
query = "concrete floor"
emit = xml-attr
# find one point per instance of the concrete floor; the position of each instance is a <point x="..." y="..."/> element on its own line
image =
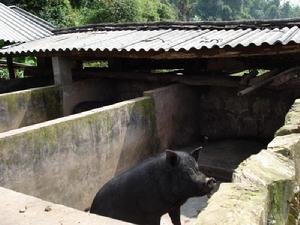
<point x="189" y="211"/>
<point x="219" y="158"/>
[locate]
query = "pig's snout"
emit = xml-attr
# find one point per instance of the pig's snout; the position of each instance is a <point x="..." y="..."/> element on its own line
<point x="210" y="182"/>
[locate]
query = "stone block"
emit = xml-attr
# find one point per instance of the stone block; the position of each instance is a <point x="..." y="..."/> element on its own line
<point x="234" y="204"/>
<point x="284" y="144"/>
<point x="264" y="168"/>
<point x="276" y="174"/>
<point x="288" y="129"/>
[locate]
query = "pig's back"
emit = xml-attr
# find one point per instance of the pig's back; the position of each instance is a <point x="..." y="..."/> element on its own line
<point x="134" y="193"/>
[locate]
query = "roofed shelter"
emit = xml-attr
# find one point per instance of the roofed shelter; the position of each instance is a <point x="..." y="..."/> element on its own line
<point x="186" y="83"/>
<point x="19" y="26"/>
<point x="193" y="53"/>
<point x="158" y="43"/>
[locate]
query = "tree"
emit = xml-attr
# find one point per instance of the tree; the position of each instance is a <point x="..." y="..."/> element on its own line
<point x="113" y="11"/>
<point x="185" y="8"/>
<point x="272" y="12"/>
<point x="55" y="11"/>
<point x="210" y="10"/>
<point x="118" y="11"/>
<point x="77" y="12"/>
<point x="286" y="10"/>
<point x="58" y="12"/>
<point x="155" y="10"/>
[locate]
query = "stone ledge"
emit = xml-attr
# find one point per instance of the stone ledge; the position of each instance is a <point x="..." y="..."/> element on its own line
<point x="284" y="145"/>
<point x="292" y="121"/>
<point x="288" y="129"/>
<point x="264" y="168"/>
<point x="263" y="185"/>
<point x="20" y="209"/>
<point x="234" y="204"/>
<point x="261" y="189"/>
<point x="276" y="174"/>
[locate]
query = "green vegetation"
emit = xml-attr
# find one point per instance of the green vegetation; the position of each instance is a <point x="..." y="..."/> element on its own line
<point x="76" y="12"/>
<point x="4" y="74"/>
<point x="19" y="72"/>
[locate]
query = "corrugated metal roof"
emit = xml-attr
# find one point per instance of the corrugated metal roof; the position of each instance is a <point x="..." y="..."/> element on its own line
<point x="17" y="25"/>
<point x="164" y="37"/>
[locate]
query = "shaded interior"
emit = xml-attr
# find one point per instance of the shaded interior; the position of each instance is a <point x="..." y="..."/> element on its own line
<point x="229" y="127"/>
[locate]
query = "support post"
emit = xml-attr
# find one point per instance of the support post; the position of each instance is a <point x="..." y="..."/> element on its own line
<point x="62" y="71"/>
<point x="10" y="67"/>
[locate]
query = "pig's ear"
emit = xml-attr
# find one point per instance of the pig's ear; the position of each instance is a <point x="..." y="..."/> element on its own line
<point x="196" y="152"/>
<point x="171" y="157"/>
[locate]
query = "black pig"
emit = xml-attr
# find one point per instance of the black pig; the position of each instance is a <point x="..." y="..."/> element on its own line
<point x="160" y="185"/>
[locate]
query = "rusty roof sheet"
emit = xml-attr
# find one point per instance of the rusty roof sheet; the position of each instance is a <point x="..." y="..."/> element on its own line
<point x="163" y="37"/>
<point x="17" y="25"/>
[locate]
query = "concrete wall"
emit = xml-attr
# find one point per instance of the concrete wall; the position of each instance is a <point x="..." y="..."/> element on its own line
<point x="87" y="90"/>
<point x="20" y="209"/>
<point x="102" y="90"/>
<point x="223" y="114"/>
<point x="264" y="186"/>
<point x="186" y="114"/>
<point x="175" y="115"/>
<point x="68" y="159"/>
<point x="24" y="83"/>
<point x="23" y="108"/>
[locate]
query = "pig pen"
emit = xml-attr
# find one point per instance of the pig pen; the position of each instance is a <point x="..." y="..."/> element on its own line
<point x="229" y="128"/>
<point x="66" y="160"/>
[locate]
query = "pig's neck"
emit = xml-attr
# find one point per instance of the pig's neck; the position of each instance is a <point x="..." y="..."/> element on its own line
<point x="167" y="185"/>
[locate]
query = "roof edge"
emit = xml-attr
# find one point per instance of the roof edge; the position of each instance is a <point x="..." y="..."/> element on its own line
<point x="243" y="24"/>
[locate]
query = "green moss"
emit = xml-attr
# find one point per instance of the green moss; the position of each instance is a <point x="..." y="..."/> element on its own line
<point x="294" y="210"/>
<point x="148" y="110"/>
<point x="52" y="97"/>
<point x="47" y="139"/>
<point x="281" y="192"/>
<point x="15" y="101"/>
<point x="31" y="106"/>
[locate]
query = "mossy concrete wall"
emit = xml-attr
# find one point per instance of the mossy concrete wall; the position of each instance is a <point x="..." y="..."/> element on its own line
<point x="264" y="185"/>
<point x="23" y="108"/>
<point x="68" y="159"/>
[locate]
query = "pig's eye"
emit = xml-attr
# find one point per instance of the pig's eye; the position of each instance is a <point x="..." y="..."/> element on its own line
<point x="192" y="171"/>
<point x="196" y="166"/>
